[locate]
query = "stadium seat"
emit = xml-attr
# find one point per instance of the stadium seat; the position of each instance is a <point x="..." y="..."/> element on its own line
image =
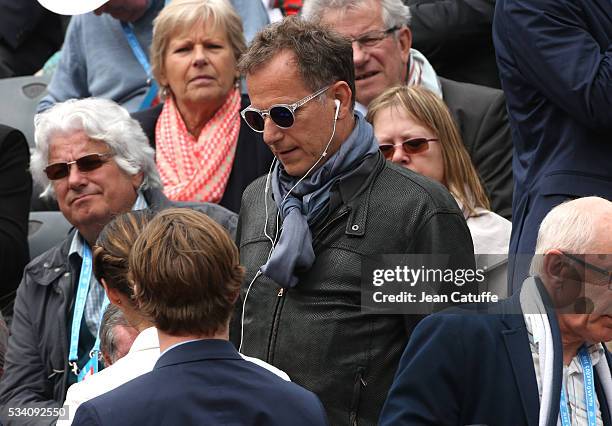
<point x="19" y="97"/>
<point x="46" y="229"/>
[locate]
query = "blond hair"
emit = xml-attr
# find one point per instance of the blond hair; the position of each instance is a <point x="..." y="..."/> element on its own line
<point x="179" y="16"/>
<point x="430" y="111"/>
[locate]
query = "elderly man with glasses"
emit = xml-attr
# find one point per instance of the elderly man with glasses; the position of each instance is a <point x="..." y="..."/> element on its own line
<point x="96" y="161"/>
<point x="329" y="204"/>
<point x="537" y="358"/>
<point x="384" y="58"/>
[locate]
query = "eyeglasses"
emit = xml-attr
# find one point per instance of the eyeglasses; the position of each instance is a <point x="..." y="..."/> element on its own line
<point x="591" y="267"/>
<point x="411" y="146"/>
<point x="372" y="38"/>
<point x="86" y="163"/>
<point x="282" y="115"/>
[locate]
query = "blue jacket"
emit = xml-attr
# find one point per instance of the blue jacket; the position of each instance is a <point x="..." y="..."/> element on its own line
<point x="205" y="382"/>
<point x="555" y="64"/>
<point x="475" y="368"/>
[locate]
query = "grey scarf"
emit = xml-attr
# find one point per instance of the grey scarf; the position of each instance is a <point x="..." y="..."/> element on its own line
<point x="308" y="203"/>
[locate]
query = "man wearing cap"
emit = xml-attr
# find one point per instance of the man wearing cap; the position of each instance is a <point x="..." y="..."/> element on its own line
<point x="106" y="50"/>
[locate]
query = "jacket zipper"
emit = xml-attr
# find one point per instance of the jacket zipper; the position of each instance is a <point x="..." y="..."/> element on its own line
<point x="357" y="385"/>
<point x="280" y="301"/>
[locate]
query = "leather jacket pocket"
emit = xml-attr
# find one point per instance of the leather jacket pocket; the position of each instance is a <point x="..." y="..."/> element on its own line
<point x="358" y="383"/>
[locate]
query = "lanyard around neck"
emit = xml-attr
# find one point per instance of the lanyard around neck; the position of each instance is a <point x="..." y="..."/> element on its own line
<point x="79" y="309"/>
<point x="589" y="392"/>
<point x="140" y="55"/>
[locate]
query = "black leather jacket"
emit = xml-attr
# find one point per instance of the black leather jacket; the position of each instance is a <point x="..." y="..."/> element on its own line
<point x="317" y="331"/>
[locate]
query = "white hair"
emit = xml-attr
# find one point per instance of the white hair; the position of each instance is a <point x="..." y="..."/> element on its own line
<point x="394" y="12"/>
<point x="568" y="227"/>
<point x="102" y="120"/>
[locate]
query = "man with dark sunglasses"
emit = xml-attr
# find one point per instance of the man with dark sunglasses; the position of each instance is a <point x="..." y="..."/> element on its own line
<point x="329" y="203"/>
<point x="96" y="161"/>
<point x="384" y="58"/>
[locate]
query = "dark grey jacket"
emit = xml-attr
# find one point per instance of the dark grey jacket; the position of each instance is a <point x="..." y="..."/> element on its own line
<point x="317" y="331"/>
<point x="36" y="363"/>
<point x="480" y="113"/>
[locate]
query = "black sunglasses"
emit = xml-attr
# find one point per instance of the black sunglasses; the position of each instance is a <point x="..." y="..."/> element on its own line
<point x="86" y="163"/>
<point x="591" y="267"/>
<point x="411" y="146"/>
<point x="283" y="115"/>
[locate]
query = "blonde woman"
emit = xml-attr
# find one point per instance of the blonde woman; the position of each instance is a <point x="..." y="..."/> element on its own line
<point x="415" y="130"/>
<point x="203" y="150"/>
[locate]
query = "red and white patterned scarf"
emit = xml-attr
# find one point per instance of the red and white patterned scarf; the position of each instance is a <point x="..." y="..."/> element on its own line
<point x="197" y="169"/>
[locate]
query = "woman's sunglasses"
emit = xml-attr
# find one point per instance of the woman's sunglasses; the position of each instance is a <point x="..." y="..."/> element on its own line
<point x="86" y="163"/>
<point x="282" y="115"/>
<point x="411" y="146"/>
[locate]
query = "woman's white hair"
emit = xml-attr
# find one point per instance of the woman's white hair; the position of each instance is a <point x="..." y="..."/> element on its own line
<point x="394" y="12"/>
<point x="567" y="227"/>
<point x="101" y="120"/>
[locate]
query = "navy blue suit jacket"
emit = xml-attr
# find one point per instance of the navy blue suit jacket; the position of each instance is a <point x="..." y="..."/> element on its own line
<point x="205" y="382"/>
<point x="470" y="368"/>
<point x="555" y="64"/>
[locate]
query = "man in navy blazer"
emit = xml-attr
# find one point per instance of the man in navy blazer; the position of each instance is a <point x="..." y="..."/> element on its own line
<point x="504" y="364"/>
<point x="555" y="65"/>
<point x="186" y="276"/>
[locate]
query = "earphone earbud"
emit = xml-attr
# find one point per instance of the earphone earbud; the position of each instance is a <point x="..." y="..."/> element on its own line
<point x="337" y="102"/>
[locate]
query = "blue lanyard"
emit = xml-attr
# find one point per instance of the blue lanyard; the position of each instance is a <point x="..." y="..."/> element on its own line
<point x="79" y="309"/>
<point x="589" y="392"/>
<point x="144" y="62"/>
<point x="96" y="348"/>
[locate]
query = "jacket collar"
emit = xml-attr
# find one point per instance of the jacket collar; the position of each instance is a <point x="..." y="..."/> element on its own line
<point x="156" y="199"/>
<point x="351" y="190"/>
<point x="147" y="339"/>
<point x="346" y="192"/>
<point x="517" y="345"/>
<point x="199" y="350"/>
<point x="54" y="262"/>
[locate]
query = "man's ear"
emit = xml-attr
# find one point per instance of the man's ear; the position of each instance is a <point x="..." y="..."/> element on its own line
<point x="137" y="180"/>
<point x="553" y="267"/>
<point x="342" y="92"/>
<point x="404" y="40"/>
<point x="562" y="279"/>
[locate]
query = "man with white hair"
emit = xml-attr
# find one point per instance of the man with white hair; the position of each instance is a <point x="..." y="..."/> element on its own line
<point x="534" y="358"/>
<point x="96" y="161"/>
<point x="383" y="58"/>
